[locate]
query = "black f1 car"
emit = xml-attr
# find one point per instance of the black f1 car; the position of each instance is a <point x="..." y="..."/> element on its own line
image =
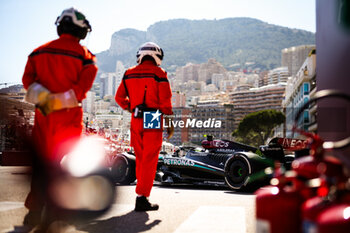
<point x="237" y="165"/>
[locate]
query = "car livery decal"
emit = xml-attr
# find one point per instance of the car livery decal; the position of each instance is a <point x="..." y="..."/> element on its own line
<point x="205" y="167"/>
<point x="180" y="162"/>
<point x="190" y="163"/>
<point x="208" y="167"/>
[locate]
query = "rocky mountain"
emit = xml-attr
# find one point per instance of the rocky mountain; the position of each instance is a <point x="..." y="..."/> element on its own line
<point x="234" y="42"/>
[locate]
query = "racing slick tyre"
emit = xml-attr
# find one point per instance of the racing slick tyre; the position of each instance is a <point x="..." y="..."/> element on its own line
<point x="123" y="170"/>
<point x="237" y="171"/>
<point x="288" y="160"/>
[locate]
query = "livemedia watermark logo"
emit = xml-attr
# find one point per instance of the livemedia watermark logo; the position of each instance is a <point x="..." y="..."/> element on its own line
<point x="195" y="123"/>
<point x="153" y="120"/>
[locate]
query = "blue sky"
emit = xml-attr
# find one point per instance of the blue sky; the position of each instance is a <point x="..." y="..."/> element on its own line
<point x="25" y="25"/>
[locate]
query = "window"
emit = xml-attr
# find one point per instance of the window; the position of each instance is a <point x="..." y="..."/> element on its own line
<point x="301" y="92"/>
<point x="306" y="88"/>
<point x="306" y="117"/>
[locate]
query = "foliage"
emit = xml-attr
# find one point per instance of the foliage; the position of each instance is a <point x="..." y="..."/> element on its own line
<point x="257" y="127"/>
<point x="108" y="98"/>
<point x="229" y="41"/>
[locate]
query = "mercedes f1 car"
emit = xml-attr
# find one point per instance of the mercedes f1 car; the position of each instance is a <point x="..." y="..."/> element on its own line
<point x="237" y="165"/>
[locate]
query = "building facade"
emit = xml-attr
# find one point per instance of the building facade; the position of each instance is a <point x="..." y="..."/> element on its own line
<point x="248" y="100"/>
<point x="178" y="99"/>
<point x="294" y="57"/>
<point x="187" y="72"/>
<point x="89" y="102"/>
<point x="206" y="70"/>
<point x="278" y="75"/>
<point x="298" y="91"/>
<point x="109" y="82"/>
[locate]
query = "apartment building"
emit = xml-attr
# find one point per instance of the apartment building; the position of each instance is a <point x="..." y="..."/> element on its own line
<point x="187" y="72"/>
<point x="109" y="82"/>
<point x="278" y="75"/>
<point x="248" y="100"/>
<point x="294" y="57"/>
<point x="178" y="99"/>
<point x="89" y="102"/>
<point x="298" y="91"/>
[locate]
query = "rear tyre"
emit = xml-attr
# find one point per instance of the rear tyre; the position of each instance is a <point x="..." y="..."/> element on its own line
<point x="237" y="171"/>
<point x="123" y="170"/>
<point x="288" y="162"/>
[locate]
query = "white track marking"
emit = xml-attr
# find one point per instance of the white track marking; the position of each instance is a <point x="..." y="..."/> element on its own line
<point x="215" y="219"/>
<point x="10" y="205"/>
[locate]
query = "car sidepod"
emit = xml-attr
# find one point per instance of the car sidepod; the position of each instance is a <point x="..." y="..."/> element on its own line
<point x="192" y="168"/>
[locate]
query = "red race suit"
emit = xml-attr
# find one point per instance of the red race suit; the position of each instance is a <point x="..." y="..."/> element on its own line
<point x="146" y="142"/>
<point x="59" y="65"/>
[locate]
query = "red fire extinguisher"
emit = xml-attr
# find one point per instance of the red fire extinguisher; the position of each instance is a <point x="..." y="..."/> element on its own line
<point x="328" y="213"/>
<point x="333" y="199"/>
<point x="313" y="206"/>
<point x="335" y="218"/>
<point x="278" y="207"/>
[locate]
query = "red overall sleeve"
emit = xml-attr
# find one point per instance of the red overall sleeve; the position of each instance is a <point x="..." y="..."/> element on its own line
<point x="29" y="74"/>
<point x="86" y="77"/>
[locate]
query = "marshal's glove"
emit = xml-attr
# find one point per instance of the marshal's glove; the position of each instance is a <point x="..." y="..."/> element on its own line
<point x="36" y="94"/>
<point x="58" y="101"/>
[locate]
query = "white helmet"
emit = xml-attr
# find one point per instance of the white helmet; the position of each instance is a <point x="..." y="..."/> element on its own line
<point x="150" y="49"/>
<point x="74" y="16"/>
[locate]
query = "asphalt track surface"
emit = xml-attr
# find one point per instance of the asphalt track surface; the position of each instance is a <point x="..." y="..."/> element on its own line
<point x="183" y="208"/>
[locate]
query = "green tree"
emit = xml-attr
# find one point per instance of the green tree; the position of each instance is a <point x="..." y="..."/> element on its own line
<point x="257" y="127"/>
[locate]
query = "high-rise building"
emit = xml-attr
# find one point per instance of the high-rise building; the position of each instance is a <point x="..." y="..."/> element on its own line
<point x="278" y="75"/>
<point x="294" y="57"/>
<point x="200" y="72"/>
<point x="191" y="87"/>
<point x="263" y="78"/>
<point x="216" y="79"/>
<point x="298" y="91"/>
<point x="89" y="102"/>
<point x="178" y="99"/>
<point x="109" y="82"/>
<point x="206" y="70"/>
<point x="247" y="100"/>
<point x="119" y="69"/>
<point x="187" y="72"/>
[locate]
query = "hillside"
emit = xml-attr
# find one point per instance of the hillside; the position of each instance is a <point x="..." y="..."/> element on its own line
<point x="229" y="41"/>
<point x="12" y="89"/>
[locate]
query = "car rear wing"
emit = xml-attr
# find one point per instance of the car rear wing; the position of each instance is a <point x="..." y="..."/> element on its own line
<point x="290" y="144"/>
<point x="226" y="145"/>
